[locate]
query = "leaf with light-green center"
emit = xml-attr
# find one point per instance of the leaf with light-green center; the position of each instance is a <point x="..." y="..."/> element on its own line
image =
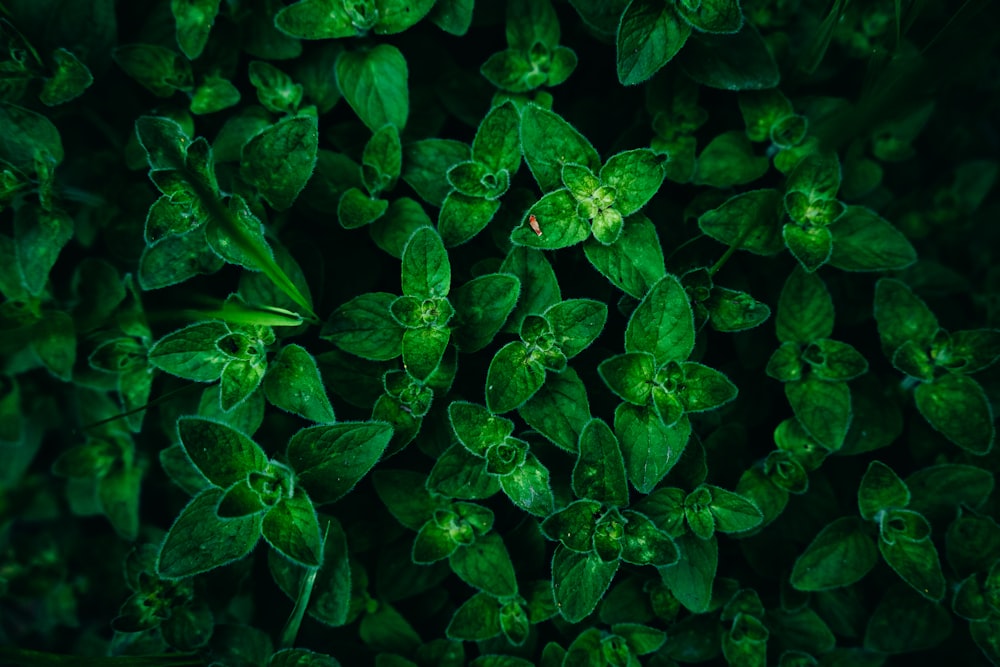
<point x="636" y="176"/>
<point x="222" y="454"/>
<point x="663" y="323"/>
<point x="645" y="544"/>
<point x="733" y="512"/>
<point x="528" y="487"/>
<point x="579" y="582"/>
<point x="599" y="473"/>
<point x="812" y="246"/>
<point x="902" y="316"/>
<point x="292" y="529"/>
<point x="280" y="159"/>
<point x="549" y="142"/>
<point x="881" y="489"/>
<point x="200" y="541"/>
<point x="705" y="388"/>
<point x="650" y="448"/>
<point x="824" y="408"/>
<point x="958" y="408"/>
<point x="650" y="34"/>
<point x="558" y="221"/>
<point x="630" y="376"/>
<point x="425" y="271"/>
<point x="573" y="525"/>
<point x="316" y="19"/>
<point x="512" y="378"/>
<point x="194" y="21"/>
<point x="374" y="83"/>
<point x="329" y="460"/>
<point x="240" y="378"/>
<point x="805" y="309"/>
<point x="423" y="350"/>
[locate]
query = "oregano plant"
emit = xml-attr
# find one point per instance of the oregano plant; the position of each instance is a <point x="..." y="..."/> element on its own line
<point x="514" y="333"/>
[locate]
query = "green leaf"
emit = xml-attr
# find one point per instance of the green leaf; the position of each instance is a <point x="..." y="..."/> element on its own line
<point x="240" y="378"/>
<point x="374" y="83"/>
<point x="557" y="218"/>
<point x="881" y="489"/>
<point x="426" y="162"/>
<point x="691" y="578"/>
<point x="458" y="473"/>
<point x="70" y="78"/>
<point x="316" y="19"/>
<point x="486" y="565"/>
<point x="902" y="316"/>
<point x="634" y="262"/>
<point x="118" y="492"/>
<point x="712" y="16"/>
<point x="403" y="494"/>
<point x="650" y="34"/>
<point x="649" y="447"/>
<point x="293" y="383"/>
<point x="732" y="311"/>
<point x="395" y="16"/>
<point x="476" y="427"/>
<point x="159" y="70"/>
<point x="663" y="323"/>
<point x="426" y="271"/>
<point x="645" y="544"/>
<point x="630" y="376"/>
<point x="958" y="408"/>
<point x="907" y="548"/>
<point x="92" y="459"/>
<point x="496" y="144"/>
<point x="26" y="133"/>
<point x="528" y="487"/>
<point x="194" y="21"/>
<point x="823" y="408"/>
<point x="805" y="309"/>
<point x="279" y="160"/>
<point x="482" y="305"/>
<point x="423" y="350"/>
<point x="579" y="582"/>
<point x="864" y="241"/>
<point x="199" y="541"/>
<point x="292" y="529"/>
<point x="904" y="622"/>
<point x="559" y="410"/>
<point x="513" y="377"/>
<point x="329" y="460"/>
<point x="395" y="227"/>
<point x="356" y="209"/>
<point x="974" y="349"/>
<point x="298" y="657"/>
<point x="939" y="490"/>
<point x="705" y="388"/>
<point x="733" y="513"/>
<point x="222" y="454"/>
<point x="812" y="246"/>
<point x="576" y="323"/>
<point x="453" y="16"/>
<point x="549" y="142"/>
<point x="834" y="361"/>
<point x="364" y="327"/>
<point x="277" y="91"/>
<point x="477" y="619"/>
<point x="174" y="259"/>
<point x="749" y="221"/>
<point x="740" y="61"/>
<point x="599" y="473"/>
<point x="463" y="216"/>
<point x="573" y="525"/>
<point x="636" y="176"/>
<point x="840" y="555"/>
<point x="39" y="236"/>
<point x="539" y="287"/>
<point x="382" y="160"/>
<point x="729" y="160"/>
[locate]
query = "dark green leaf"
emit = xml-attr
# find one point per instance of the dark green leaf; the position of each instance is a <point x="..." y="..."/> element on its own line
<point x="194" y="21"/>
<point x="329" y="460"/>
<point x="662" y="324"/>
<point x="576" y="323"/>
<point x="482" y="305"/>
<point x="904" y="622"/>
<point x="579" y="581"/>
<point x="549" y="142"/>
<point x="426" y="271"/>
<point x="364" y="327"/>
<point x="70" y="78"/>
<point x="881" y="489"/>
<point x="485" y="564"/>
<point x="864" y="241"/>
<point x="513" y="377"/>
<point x="840" y="555"/>
<point x="729" y="160"/>
<point x="374" y="83"/>
<point x="223" y="455"/>
<point x="559" y="410"/>
<point x="740" y="61"/>
<point x="691" y="578"/>
<point x="749" y="221"/>
<point x="477" y="619"/>
<point x="279" y="160"/>
<point x="636" y="175"/>
<point x="824" y="408"/>
<point x="599" y="473"/>
<point x="650" y="34"/>
<point x="292" y="528"/>
<point x="901" y="315"/>
<point x="733" y="513"/>
<point x="650" y="449"/>
<point x="199" y="540"/>
<point x="630" y="376"/>
<point x="528" y="487"/>
<point x="426" y="162"/>
<point x="293" y="383"/>
<point x="958" y="408"/>
<point x="938" y="490"/>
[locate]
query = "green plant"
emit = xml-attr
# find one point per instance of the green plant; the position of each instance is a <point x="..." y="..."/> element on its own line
<point x="300" y="367"/>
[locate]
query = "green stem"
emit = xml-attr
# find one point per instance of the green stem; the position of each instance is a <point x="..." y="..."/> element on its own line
<point x="730" y="250"/>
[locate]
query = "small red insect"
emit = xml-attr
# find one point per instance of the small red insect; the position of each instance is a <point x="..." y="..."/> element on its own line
<point x="533" y="223"/>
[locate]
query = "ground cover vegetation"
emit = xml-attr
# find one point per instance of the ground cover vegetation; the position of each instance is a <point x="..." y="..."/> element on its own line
<point x="508" y="333"/>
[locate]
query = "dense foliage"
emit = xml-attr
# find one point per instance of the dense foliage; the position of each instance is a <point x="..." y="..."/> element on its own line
<point x="539" y="332"/>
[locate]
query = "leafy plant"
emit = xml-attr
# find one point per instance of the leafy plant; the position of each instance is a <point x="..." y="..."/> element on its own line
<point x="300" y="367"/>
